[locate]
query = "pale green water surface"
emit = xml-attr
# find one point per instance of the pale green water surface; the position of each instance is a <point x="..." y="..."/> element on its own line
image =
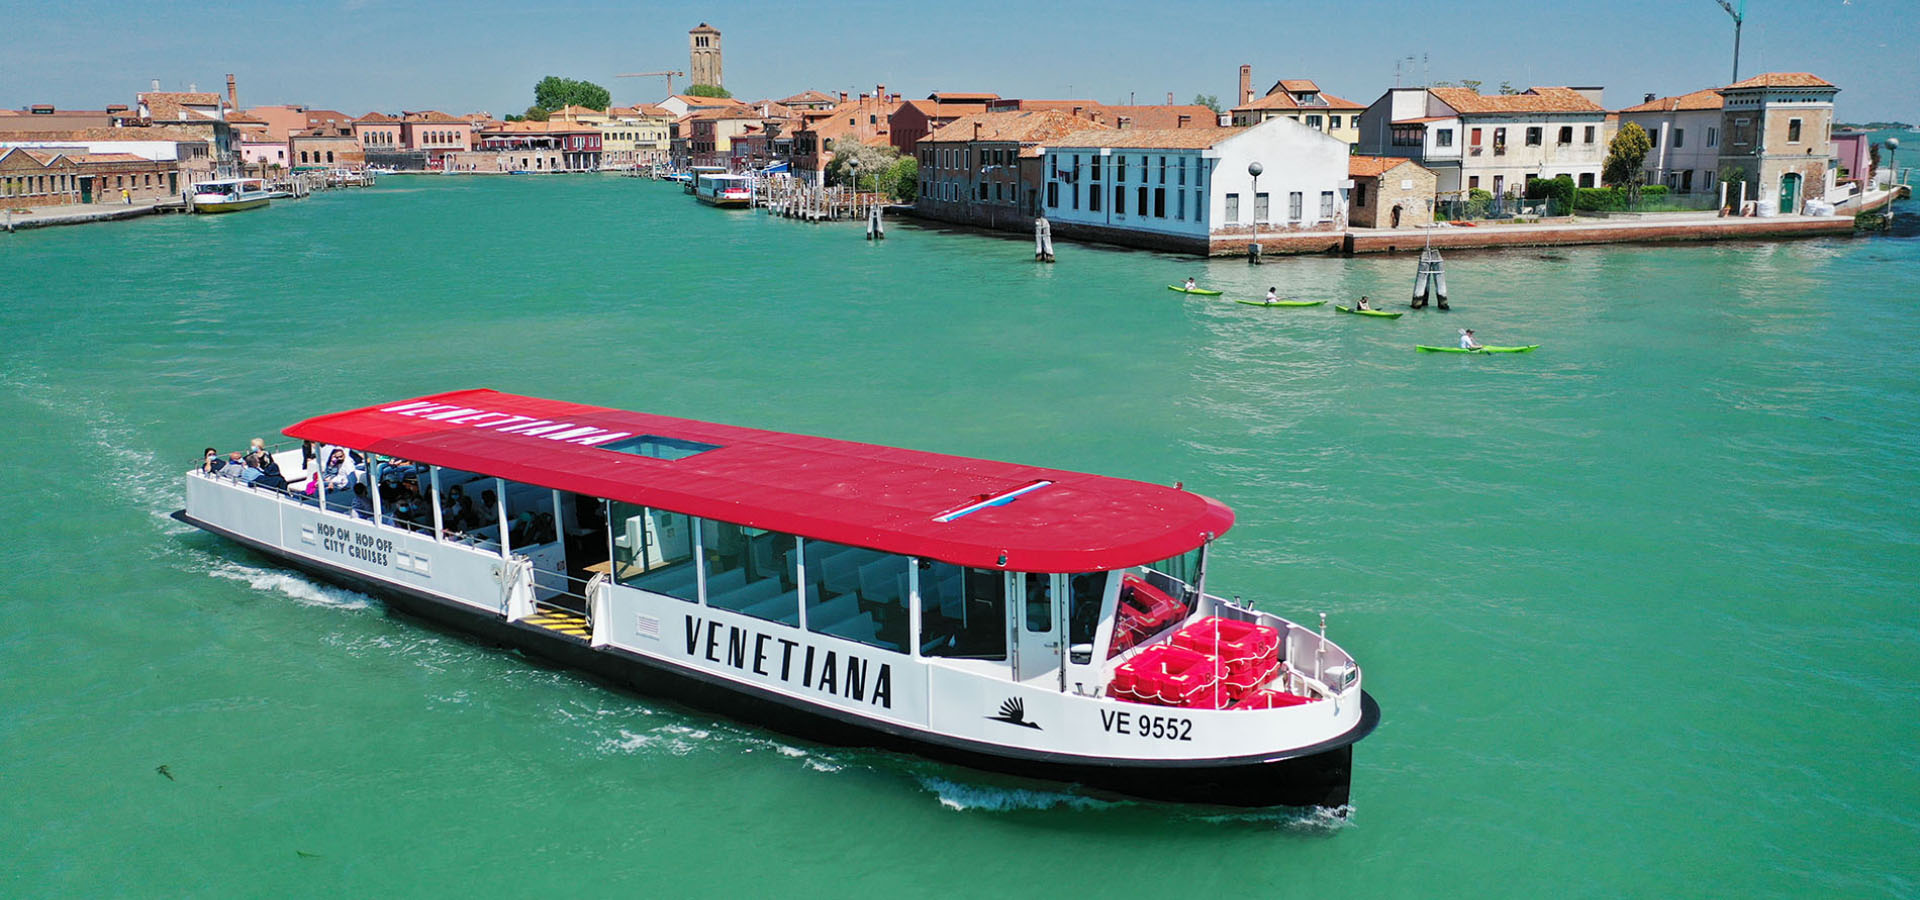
<point x="1639" y="607"/>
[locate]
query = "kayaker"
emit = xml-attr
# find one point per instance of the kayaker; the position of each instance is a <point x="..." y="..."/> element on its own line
<point x="1273" y="296"/>
<point x="1363" y="304"/>
<point x="1466" y="340"/>
<point x="1189" y="283"/>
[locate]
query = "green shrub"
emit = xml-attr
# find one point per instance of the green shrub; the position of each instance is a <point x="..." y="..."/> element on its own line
<point x="1479" y="203"/>
<point x="1599" y="198"/>
<point x="1558" y="190"/>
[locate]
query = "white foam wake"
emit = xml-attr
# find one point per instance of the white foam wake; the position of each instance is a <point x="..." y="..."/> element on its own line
<point x="305" y="592"/>
<point x="964" y="797"/>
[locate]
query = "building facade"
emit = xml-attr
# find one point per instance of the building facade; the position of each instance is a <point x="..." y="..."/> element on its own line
<point x="379" y="133"/>
<point x="325" y="151"/>
<point x="1777" y="132"/>
<point x="1190" y="190"/>
<point x="1494" y="143"/>
<point x="1685" y="135"/>
<point x="1389" y="192"/>
<point x="435" y="133"/>
<point x="70" y="176"/>
<point x="1301" y="100"/>
<point x="986" y="169"/>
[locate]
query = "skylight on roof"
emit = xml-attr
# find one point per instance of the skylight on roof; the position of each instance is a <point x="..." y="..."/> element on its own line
<point x="1000" y="499"/>
<point x="657" y="447"/>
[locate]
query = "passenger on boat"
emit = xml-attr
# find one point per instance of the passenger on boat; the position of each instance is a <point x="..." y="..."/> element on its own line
<point x="1190" y="283"/>
<point x="235" y="467"/>
<point x="307" y="455"/>
<point x="1363" y="304"/>
<point x="211" y="462"/>
<point x="1466" y="340"/>
<point x="257" y="445"/>
<point x="456" y="510"/>
<point x="1273" y="295"/>
<point x="362" y="501"/>
<point x="268" y="472"/>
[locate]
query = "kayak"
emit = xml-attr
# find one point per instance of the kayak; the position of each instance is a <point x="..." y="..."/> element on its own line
<point x="1426" y="349"/>
<point x="1281" y="302"/>
<point x="1201" y="291"/>
<point x="1379" y="313"/>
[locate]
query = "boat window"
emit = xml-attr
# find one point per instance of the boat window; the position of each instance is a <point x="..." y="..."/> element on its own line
<point x="531" y="516"/>
<point x="402" y="488"/>
<point x="1039" y="603"/>
<point x="1085" y="591"/>
<point x="858" y="594"/>
<point x="468" y="508"/>
<point x="750" y="571"/>
<point x="653" y="551"/>
<point x="963" y="612"/>
<point x="1175" y="572"/>
<point x="658" y="447"/>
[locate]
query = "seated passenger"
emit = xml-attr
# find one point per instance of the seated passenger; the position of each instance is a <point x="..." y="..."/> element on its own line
<point x="235" y="466"/>
<point x="362" y="501"/>
<point x="211" y="462"/>
<point x="266" y="472"/>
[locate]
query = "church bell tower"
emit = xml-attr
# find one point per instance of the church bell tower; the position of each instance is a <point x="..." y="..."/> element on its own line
<point x="703" y="50"/>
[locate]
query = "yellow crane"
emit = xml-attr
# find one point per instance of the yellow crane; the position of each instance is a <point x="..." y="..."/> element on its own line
<point x="654" y="75"/>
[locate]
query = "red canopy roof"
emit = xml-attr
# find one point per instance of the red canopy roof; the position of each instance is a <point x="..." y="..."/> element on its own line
<point x="841" y="491"/>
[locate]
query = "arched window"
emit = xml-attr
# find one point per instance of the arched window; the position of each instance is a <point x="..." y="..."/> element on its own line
<point x="303" y="156"/>
<point x="329" y="156"/>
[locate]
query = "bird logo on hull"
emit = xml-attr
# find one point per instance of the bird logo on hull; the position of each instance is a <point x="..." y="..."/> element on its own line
<point x="1014" y="712"/>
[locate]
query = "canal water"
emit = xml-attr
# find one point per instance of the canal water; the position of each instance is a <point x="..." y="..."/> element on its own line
<point x="1639" y="607"/>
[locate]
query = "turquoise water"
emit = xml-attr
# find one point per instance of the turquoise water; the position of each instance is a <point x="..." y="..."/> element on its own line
<point x="1638" y="607"/>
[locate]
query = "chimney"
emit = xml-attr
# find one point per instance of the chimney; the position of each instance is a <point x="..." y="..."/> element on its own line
<point x="1649" y="97"/>
<point x="843" y="96"/>
<point x="1246" y="84"/>
<point x="233" y="93"/>
<point x="156" y="85"/>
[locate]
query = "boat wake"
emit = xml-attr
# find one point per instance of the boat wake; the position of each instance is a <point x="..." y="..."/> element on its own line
<point x="965" y="797"/>
<point x="303" y="591"/>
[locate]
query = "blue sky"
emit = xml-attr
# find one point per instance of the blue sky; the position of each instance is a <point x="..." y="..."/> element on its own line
<point x="361" y="55"/>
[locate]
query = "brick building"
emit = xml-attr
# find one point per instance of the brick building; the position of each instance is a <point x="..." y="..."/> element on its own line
<point x="985" y="169"/>
<point x="1301" y="100"/>
<point x="1389" y="192"/>
<point x="1777" y="133"/>
<point x="915" y="119"/>
<point x="68" y="176"/>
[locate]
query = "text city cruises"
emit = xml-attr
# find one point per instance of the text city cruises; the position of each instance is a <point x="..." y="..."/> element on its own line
<point x="1024" y="620"/>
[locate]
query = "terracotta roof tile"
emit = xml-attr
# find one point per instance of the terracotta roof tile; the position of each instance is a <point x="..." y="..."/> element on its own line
<point x="1533" y="100"/>
<point x="375" y="117"/>
<point x="808" y="97"/>
<point x="1281" y="99"/>
<point x="1024" y="126"/>
<point x="1781" y="79"/>
<point x="1707" y="99"/>
<point x="1372" y="166"/>
<point x="1149" y="138"/>
<point x="1156" y="117"/>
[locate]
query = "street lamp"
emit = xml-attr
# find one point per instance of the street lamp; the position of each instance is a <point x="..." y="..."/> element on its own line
<point x="853" y="171"/>
<point x="1893" y="162"/>
<point x="1253" y="249"/>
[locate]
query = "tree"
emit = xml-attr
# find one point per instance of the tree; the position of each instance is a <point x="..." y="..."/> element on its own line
<point x="1626" y="153"/>
<point x="903" y="179"/>
<point x="708" y="90"/>
<point x="1209" y="101"/>
<point x="1471" y="84"/>
<point x="554" y="92"/>
<point x="1506" y="87"/>
<point x="874" y="162"/>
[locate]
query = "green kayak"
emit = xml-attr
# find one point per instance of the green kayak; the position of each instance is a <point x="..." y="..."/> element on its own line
<point x="1201" y="291"/>
<point x="1426" y="349"/>
<point x="1281" y="302"/>
<point x="1377" y="313"/>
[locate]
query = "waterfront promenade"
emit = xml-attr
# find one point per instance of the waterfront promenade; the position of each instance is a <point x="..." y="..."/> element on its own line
<point x="47" y="216"/>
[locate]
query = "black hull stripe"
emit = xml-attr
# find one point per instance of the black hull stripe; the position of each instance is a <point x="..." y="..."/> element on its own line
<point x="1316" y="775"/>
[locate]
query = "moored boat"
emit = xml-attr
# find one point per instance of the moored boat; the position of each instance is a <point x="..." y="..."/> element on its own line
<point x="230" y="195"/>
<point x="724" y="190"/>
<point x="1031" y="621"/>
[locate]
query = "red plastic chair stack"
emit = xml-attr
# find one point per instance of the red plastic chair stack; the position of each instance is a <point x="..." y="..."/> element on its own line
<point x="1271" y="700"/>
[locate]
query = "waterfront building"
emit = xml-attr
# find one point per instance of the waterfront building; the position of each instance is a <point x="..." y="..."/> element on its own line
<point x="378" y="132"/>
<point x="325" y="151"/>
<point x="65" y="176"/>
<point x="703" y="55"/>
<point x="1189" y="190"/>
<point x="710" y="133"/>
<point x="1685" y="136"/>
<point x="651" y="130"/>
<point x="686" y="104"/>
<point x="435" y="133"/>
<point x="1776" y="132"/>
<point x="1389" y="192"/>
<point x="986" y="169"/>
<point x="1853" y="160"/>
<point x="182" y="150"/>
<point x="915" y="119"/>
<point x="1301" y="100"/>
<point x="262" y="155"/>
<point x="865" y="119"/>
<point x="282" y="121"/>
<point x="536" y="147"/>
<point x="1495" y="143"/>
<point x="197" y="113"/>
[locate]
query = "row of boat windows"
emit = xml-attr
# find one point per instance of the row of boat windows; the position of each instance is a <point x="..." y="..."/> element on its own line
<point x="854" y="593"/>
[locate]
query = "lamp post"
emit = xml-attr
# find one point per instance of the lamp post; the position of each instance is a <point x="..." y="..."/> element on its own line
<point x="853" y="170"/>
<point x="1893" y="162"/>
<point x="1253" y="249"/>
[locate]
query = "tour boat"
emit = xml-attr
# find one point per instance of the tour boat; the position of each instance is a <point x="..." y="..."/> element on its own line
<point x="230" y="195"/>
<point x="1010" y="618"/>
<point x="724" y="190"/>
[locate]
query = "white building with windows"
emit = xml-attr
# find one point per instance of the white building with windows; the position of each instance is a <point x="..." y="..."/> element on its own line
<point x="1685" y="132"/>
<point x="1494" y="143"/>
<point x="1188" y="189"/>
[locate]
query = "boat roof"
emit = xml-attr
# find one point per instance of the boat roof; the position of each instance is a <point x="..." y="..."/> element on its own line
<point x="716" y="176"/>
<point x="950" y="508"/>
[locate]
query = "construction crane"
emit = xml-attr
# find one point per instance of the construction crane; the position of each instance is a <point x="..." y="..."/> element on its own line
<point x="1739" y="18"/>
<point x="654" y="75"/>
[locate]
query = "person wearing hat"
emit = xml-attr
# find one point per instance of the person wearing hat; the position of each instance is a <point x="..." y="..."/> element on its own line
<point x="1466" y="340"/>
